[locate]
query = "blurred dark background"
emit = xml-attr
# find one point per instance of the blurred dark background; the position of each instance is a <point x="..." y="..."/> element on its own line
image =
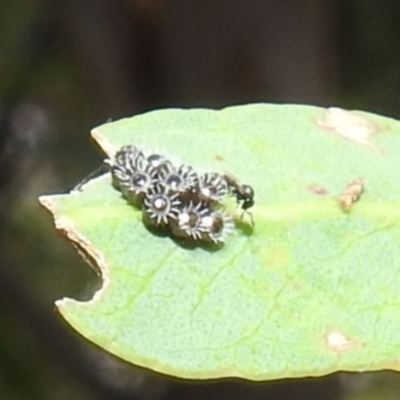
<point x="67" y="66"/>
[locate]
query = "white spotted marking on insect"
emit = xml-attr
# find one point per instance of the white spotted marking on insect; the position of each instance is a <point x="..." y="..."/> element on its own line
<point x="190" y="220"/>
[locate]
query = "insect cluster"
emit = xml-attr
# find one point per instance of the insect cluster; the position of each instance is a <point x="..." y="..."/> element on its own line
<point x="176" y="197"/>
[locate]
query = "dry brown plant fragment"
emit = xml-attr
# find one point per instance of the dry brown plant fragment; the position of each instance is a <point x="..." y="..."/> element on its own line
<point x="351" y="193"/>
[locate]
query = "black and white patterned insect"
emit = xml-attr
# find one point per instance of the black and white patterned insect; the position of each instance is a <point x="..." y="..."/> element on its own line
<point x="158" y="164"/>
<point x="176" y="198"/>
<point x="133" y="174"/>
<point x="182" y="179"/>
<point x="190" y="220"/>
<point x="141" y="183"/>
<point x="127" y="160"/>
<point x="160" y="206"/>
<point x="212" y="187"/>
<point x="217" y="225"/>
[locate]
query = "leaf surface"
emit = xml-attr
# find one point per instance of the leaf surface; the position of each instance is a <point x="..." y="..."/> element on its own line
<point x="311" y="290"/>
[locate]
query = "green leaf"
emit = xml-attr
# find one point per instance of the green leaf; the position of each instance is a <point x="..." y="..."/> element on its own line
<point x="311" y="290"/>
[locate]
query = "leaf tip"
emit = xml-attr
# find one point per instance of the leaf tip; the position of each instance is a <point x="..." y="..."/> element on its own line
<point x="103" y="142"/>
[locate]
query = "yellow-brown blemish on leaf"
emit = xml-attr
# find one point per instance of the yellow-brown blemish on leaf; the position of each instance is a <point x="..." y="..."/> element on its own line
<point x="349" y="125"/>
<point x="318" y="189"/>
<point x="218" y="157"/>
<point x="277" y="257"/>
<point x="337" y="341"/>
<point x="351" y="194"/>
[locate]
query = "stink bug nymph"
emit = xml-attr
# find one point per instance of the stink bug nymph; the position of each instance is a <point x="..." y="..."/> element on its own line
<point x="158" y="163"/>
<point x="180" y="179"/>
<point x="160" y="207"/>
<point x="217" y="225"/>
<point x="212" y="187"/>
<point x="139" y="184"/>
<point x="126" y="162"/>
<point x="190" y="220"/>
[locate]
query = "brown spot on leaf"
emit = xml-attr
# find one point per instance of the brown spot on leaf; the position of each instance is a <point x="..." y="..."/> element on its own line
<point x="218" y="157"/>
<point x="351" y="194"/>
<point x="349" y="125"/>
<point x="318" y="189"/>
